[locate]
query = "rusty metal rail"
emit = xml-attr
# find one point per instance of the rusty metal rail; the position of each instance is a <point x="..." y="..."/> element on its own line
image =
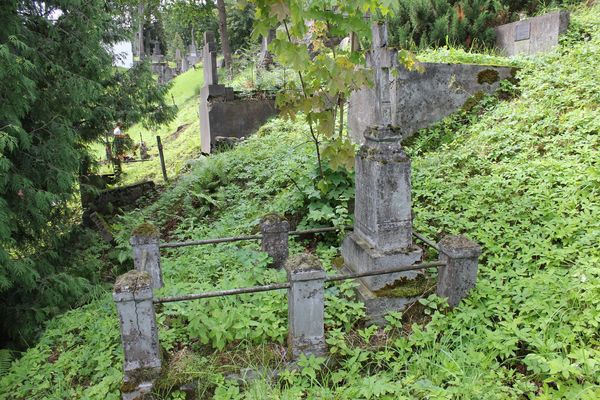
<point x="286" y="285"/>
<point x="208" y="241"/>
<point x="242" y="238"/>
<point x="221" y="293"/>
<point x="414" y="267"/>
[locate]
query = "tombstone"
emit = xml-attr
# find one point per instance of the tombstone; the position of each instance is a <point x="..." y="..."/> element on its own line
<point x="222" y="113"/>
<point x="382" y="236"/>
<point x="382" y="61"/>
<point x="209" y="59"/>
<point x="532" y="35"/>
<point x="157" y="56"/>
<point x="193" y="48"/>
<point x="178" y="59"/>
<point x="139" y="334"/>
<point x="266" y="58"/>
<point x="306" y="301"/>
<point x="184" y="64"/>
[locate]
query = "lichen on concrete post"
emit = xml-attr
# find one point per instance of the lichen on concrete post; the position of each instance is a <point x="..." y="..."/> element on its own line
<point x="139" y="334"/>
<point x="306" y="302"/>
<point x="460" y="273"/>
<point x="146" y="252"/>
<point x="274" y="230"/>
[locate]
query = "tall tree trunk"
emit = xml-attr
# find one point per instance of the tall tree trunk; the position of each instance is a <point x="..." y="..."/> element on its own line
<point x="141" y="30"/>
<point x="224" y="34"/>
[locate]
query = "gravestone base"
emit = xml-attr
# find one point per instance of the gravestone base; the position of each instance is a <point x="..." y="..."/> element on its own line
<point x="360" y="256"/>
<point x="377" y="306"/>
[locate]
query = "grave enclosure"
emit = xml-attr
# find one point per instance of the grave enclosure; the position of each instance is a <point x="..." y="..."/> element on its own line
<point x="223" y="112"/>
<point x="380" y="252"/>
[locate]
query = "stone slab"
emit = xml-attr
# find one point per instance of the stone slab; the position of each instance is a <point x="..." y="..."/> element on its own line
<point x="532" y="35"/>
<point x="238" y="118"/>
<point x="377" y="307"/>
<point x="359" y="256"/>
<point x="418" y="100"/>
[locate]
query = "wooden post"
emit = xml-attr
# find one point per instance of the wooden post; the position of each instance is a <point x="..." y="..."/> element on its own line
<point x="162" y="159"/>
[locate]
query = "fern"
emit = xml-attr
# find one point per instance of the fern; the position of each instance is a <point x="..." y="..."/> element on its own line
<point x="6" y="358"/>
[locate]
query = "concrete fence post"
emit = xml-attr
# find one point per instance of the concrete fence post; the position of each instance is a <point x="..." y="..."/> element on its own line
<point x="146" y="252"/>
<point x="274" y="230"/>
<point x="306" y="303"/>
<point x="460" y="274"/>
<point x="139" y="335"/>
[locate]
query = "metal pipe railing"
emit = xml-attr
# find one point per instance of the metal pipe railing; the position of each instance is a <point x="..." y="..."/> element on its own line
<point x="221" y="293"/>
<point x="386" y="271"/>
<point x="286" y="285"/>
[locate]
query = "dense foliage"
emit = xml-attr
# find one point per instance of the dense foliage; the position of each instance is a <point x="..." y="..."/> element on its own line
<point x="520" y="176"/>
<point x="419" y="24"/>
<point x="59" y="92"/>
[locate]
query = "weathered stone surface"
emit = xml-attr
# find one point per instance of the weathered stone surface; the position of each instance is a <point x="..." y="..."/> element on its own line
<point x="360" y="256"/>
<point x="274" y="230"/>
<point x="146" y="252"/>
<point x="532" y="35"/>
<point x="460" y="275"/>
<point x="378" y="306"/>
<point x="232" y="117"/>
<point x="306" y="302"/>
<point x="99" y="223"/>
<point x="416" y="100"/>
<point x="412" y="100"/>
<point x="107" y="201"/>
<point x="383" y="202"/>
<point x="142" y="364"/>
<point x="209" y="59"/>
<point x="382" y="236"/>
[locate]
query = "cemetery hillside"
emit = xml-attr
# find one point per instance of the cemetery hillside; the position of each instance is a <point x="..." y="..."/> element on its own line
<point x="465" y="165"/>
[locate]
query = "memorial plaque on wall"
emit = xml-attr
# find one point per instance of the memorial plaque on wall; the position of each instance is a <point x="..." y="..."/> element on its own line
<point x="522" y="31"/>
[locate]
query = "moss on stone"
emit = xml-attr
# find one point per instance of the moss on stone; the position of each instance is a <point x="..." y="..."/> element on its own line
<point x="132" y="279"/>
<point x="488" y="76"/>
<point x="406" y="288"/>
<point x="146" y="230"/>
<point x="303" y="262"/>
<point x="473" y="101"/>
<point x="272" y="218"/>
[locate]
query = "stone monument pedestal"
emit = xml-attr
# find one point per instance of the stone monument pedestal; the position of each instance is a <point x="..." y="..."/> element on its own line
<point x="382" y="236"/>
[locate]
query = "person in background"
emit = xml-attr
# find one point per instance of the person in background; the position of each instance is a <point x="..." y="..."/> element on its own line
<point x="118" y="149"/>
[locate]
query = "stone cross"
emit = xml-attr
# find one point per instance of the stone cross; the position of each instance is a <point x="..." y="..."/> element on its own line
<point x="306" y="302"/>
<point x="274" y="230"/>
<point x="382" y="60"/>
<point x="382" y="236"/>
<point x="146" y="252"/>
<point x="139" y="335"/>
<point x="209" y="60"/>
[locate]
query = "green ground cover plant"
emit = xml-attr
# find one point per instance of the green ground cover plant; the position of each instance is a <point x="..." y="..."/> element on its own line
<point x="520" y="175"/>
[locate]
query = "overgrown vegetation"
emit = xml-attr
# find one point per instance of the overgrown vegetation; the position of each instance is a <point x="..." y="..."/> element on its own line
<point x="59" y="93"/>
<point x="519" y="174"/>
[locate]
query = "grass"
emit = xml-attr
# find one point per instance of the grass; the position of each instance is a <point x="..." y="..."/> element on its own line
<point x="180" y="138"/>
